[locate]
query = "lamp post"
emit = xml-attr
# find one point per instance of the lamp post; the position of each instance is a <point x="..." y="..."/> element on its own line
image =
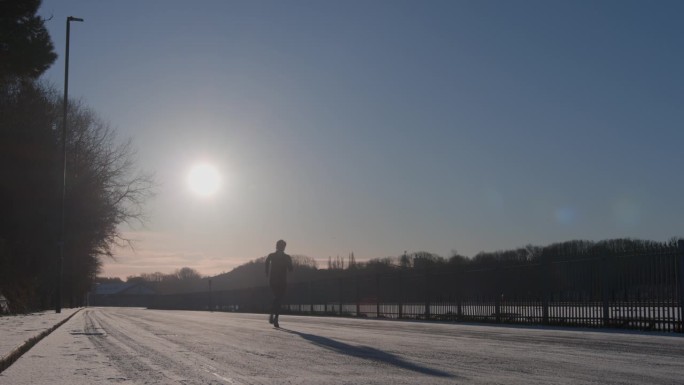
<point x="211" y="305"/>
<point x="58" y="307"/>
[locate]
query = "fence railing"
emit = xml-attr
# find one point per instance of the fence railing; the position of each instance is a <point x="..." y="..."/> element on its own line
<point x="644" y="291"/>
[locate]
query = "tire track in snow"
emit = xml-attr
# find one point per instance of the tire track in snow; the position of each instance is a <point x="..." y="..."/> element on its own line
<point x="148" y="358"/>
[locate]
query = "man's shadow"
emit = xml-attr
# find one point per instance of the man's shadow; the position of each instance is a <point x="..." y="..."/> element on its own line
<point x="366" y="352"/>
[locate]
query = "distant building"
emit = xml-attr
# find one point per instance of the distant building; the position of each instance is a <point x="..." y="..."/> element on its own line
<point x="4" y="304"/>
<point x="121" y="294"/>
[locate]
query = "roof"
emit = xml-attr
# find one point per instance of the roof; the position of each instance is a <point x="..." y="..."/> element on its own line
<point x="123" y="289"/>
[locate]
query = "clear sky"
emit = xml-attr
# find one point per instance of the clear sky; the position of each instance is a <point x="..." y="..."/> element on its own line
<point x="380" y="127"/>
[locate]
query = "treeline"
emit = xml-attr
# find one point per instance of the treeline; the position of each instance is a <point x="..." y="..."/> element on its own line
<point x="103" y="188"/>
<point x="187" y="280"/>
<point x="252" y="274"/>
<point x="527" y="255"/>
<point x="182" y="280"/>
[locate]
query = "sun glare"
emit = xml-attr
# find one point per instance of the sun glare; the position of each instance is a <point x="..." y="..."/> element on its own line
<point x="204" y="179"/>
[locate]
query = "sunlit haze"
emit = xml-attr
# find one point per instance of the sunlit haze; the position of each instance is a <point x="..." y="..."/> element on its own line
<point x="378" y="127"/>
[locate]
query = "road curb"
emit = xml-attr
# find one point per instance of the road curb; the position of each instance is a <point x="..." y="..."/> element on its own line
<point x="8" y="360"/>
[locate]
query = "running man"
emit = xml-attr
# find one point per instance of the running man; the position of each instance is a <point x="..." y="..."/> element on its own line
<point x="279" y="264"/>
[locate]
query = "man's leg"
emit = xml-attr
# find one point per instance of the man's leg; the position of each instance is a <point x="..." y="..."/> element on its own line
<point x="279" y="294"/>
<point x="278" y="301"/>
<point x="276" y="311"/>
<point x="274" y="304"/>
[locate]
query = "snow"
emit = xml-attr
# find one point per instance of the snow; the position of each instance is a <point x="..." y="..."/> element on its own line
<point x="138" y="346"/>
<point x="16" y="330"/>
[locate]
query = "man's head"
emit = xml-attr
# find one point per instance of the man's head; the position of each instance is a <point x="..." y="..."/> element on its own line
<point x="280" y="245"/>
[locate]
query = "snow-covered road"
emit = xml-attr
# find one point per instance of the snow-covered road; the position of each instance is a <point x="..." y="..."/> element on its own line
<point x="124" y="345"/>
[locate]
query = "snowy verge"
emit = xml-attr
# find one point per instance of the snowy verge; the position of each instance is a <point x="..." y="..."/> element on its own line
<point x="6" y="360"/>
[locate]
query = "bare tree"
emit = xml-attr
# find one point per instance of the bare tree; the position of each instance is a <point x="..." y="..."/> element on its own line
<point x="104" y="189"/>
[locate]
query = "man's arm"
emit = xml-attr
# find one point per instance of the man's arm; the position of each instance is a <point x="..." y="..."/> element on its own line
<point x="289" y="263"/>
<point x="268" y="261"/>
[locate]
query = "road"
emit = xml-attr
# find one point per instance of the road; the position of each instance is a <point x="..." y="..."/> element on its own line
<point x="139" y="346"/>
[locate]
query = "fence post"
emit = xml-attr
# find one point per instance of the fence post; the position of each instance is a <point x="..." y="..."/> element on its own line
<point x="546" y="290"/>
<point x="341" y="296"/>
<point x="680" y="279"/>
<point x="310" y="296"/>
<point x="358" y="295"/>
<point x="459" y="276"/>
<point x="604" y="290"/>
<point x="377" y="295"/>
<point x="427" y="293"/>
<point x="401" y="295"/>
<point x="497" y="295"/>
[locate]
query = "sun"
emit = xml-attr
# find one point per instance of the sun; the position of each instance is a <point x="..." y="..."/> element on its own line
<point x="204" y="179"/>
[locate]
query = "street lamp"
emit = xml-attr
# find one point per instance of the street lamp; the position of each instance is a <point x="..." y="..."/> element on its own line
<point x="211" y="305"/>
<point x="58" y="307"/>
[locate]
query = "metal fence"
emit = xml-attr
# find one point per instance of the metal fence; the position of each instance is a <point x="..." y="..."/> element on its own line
<point x="641" y="291"/>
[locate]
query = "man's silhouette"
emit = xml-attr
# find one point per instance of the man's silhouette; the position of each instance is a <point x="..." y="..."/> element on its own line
<point x="279" y="264"/>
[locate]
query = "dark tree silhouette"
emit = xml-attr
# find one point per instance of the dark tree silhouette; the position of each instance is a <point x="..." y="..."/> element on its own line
<point x="103" y="190"/>
<point x="26" y="49"/>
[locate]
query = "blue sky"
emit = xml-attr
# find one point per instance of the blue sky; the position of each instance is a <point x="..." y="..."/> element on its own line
<point x="386" y="126"/>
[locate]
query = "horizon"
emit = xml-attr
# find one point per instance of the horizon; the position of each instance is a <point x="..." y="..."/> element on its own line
<point x="320" y="263"/>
